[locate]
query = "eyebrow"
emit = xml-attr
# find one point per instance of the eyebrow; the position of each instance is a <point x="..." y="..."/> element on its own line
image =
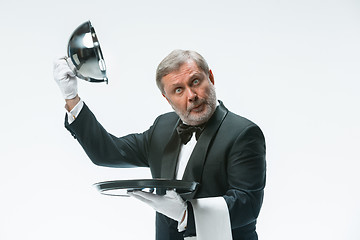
<point x="194" y="75"/>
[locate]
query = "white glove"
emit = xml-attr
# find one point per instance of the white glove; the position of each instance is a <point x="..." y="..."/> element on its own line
<point x="65" y="78"/>
<point x="170" y="204"/>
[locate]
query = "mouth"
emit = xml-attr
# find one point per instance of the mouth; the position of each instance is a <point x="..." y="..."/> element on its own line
<point x="197" y="108"/>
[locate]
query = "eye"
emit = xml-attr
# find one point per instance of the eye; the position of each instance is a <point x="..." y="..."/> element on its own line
<point x="196" y="81"/>
<point x="178" y="90"/>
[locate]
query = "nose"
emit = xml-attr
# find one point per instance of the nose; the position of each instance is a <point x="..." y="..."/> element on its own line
<point x="191" y="95"/>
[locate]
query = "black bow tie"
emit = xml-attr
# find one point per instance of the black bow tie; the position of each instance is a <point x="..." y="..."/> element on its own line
<point x="186" y="131"/>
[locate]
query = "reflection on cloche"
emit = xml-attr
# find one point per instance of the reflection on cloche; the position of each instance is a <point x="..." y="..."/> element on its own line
<point x="85" y="56"/>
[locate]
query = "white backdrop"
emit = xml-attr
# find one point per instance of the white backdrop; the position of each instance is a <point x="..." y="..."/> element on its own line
<point x="290" y="66"/>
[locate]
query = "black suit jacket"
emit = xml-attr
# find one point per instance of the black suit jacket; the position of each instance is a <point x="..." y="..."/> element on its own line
<point x="228" y="160"/>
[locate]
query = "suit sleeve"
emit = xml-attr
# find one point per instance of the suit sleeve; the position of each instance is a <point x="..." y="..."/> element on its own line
<point x="105" y="149"/>
<point x="246" y="176"/>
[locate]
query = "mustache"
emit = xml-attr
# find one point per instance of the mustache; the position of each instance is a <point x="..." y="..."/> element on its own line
<point x="196" y="103"/>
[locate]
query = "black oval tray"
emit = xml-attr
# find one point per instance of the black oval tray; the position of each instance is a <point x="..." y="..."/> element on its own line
<point x="120" y="187"/>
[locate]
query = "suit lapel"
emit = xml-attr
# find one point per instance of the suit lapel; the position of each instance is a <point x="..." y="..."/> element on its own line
<point x="170" y="155"/>
<point x="194" y="168"/>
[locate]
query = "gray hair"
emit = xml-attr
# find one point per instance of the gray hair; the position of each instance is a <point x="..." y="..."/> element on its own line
<point x="173" y="62"/>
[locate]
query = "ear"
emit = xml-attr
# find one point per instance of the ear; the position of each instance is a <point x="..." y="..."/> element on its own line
<point x="165" y="97"/>
<point x="211" y="77"/>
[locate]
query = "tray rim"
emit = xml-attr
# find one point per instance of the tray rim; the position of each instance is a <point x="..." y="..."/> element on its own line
<point x="153" y="183"/>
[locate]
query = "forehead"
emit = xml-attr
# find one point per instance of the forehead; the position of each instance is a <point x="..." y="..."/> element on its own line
<point x="186" y="70"/>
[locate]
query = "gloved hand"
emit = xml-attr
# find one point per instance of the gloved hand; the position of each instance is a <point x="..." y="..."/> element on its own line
<point x="170" y="204"/>
<point x="65" y="78"/>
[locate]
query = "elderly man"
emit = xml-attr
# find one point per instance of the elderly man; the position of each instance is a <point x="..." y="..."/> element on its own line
<point x="201" y="141"/>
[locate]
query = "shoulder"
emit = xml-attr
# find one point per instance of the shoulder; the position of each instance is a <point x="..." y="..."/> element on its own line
<point x="162" y="129"/>
<point x="244" y="127"/>
<point x="234" y="120"/>
<point x="238" y="122"/>
<point x="165" y="123"/>
<point x="169" y="118"/>
<point x="237" y="125"/>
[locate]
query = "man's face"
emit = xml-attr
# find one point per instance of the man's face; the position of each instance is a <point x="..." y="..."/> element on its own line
<point x="191" y="93"/>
